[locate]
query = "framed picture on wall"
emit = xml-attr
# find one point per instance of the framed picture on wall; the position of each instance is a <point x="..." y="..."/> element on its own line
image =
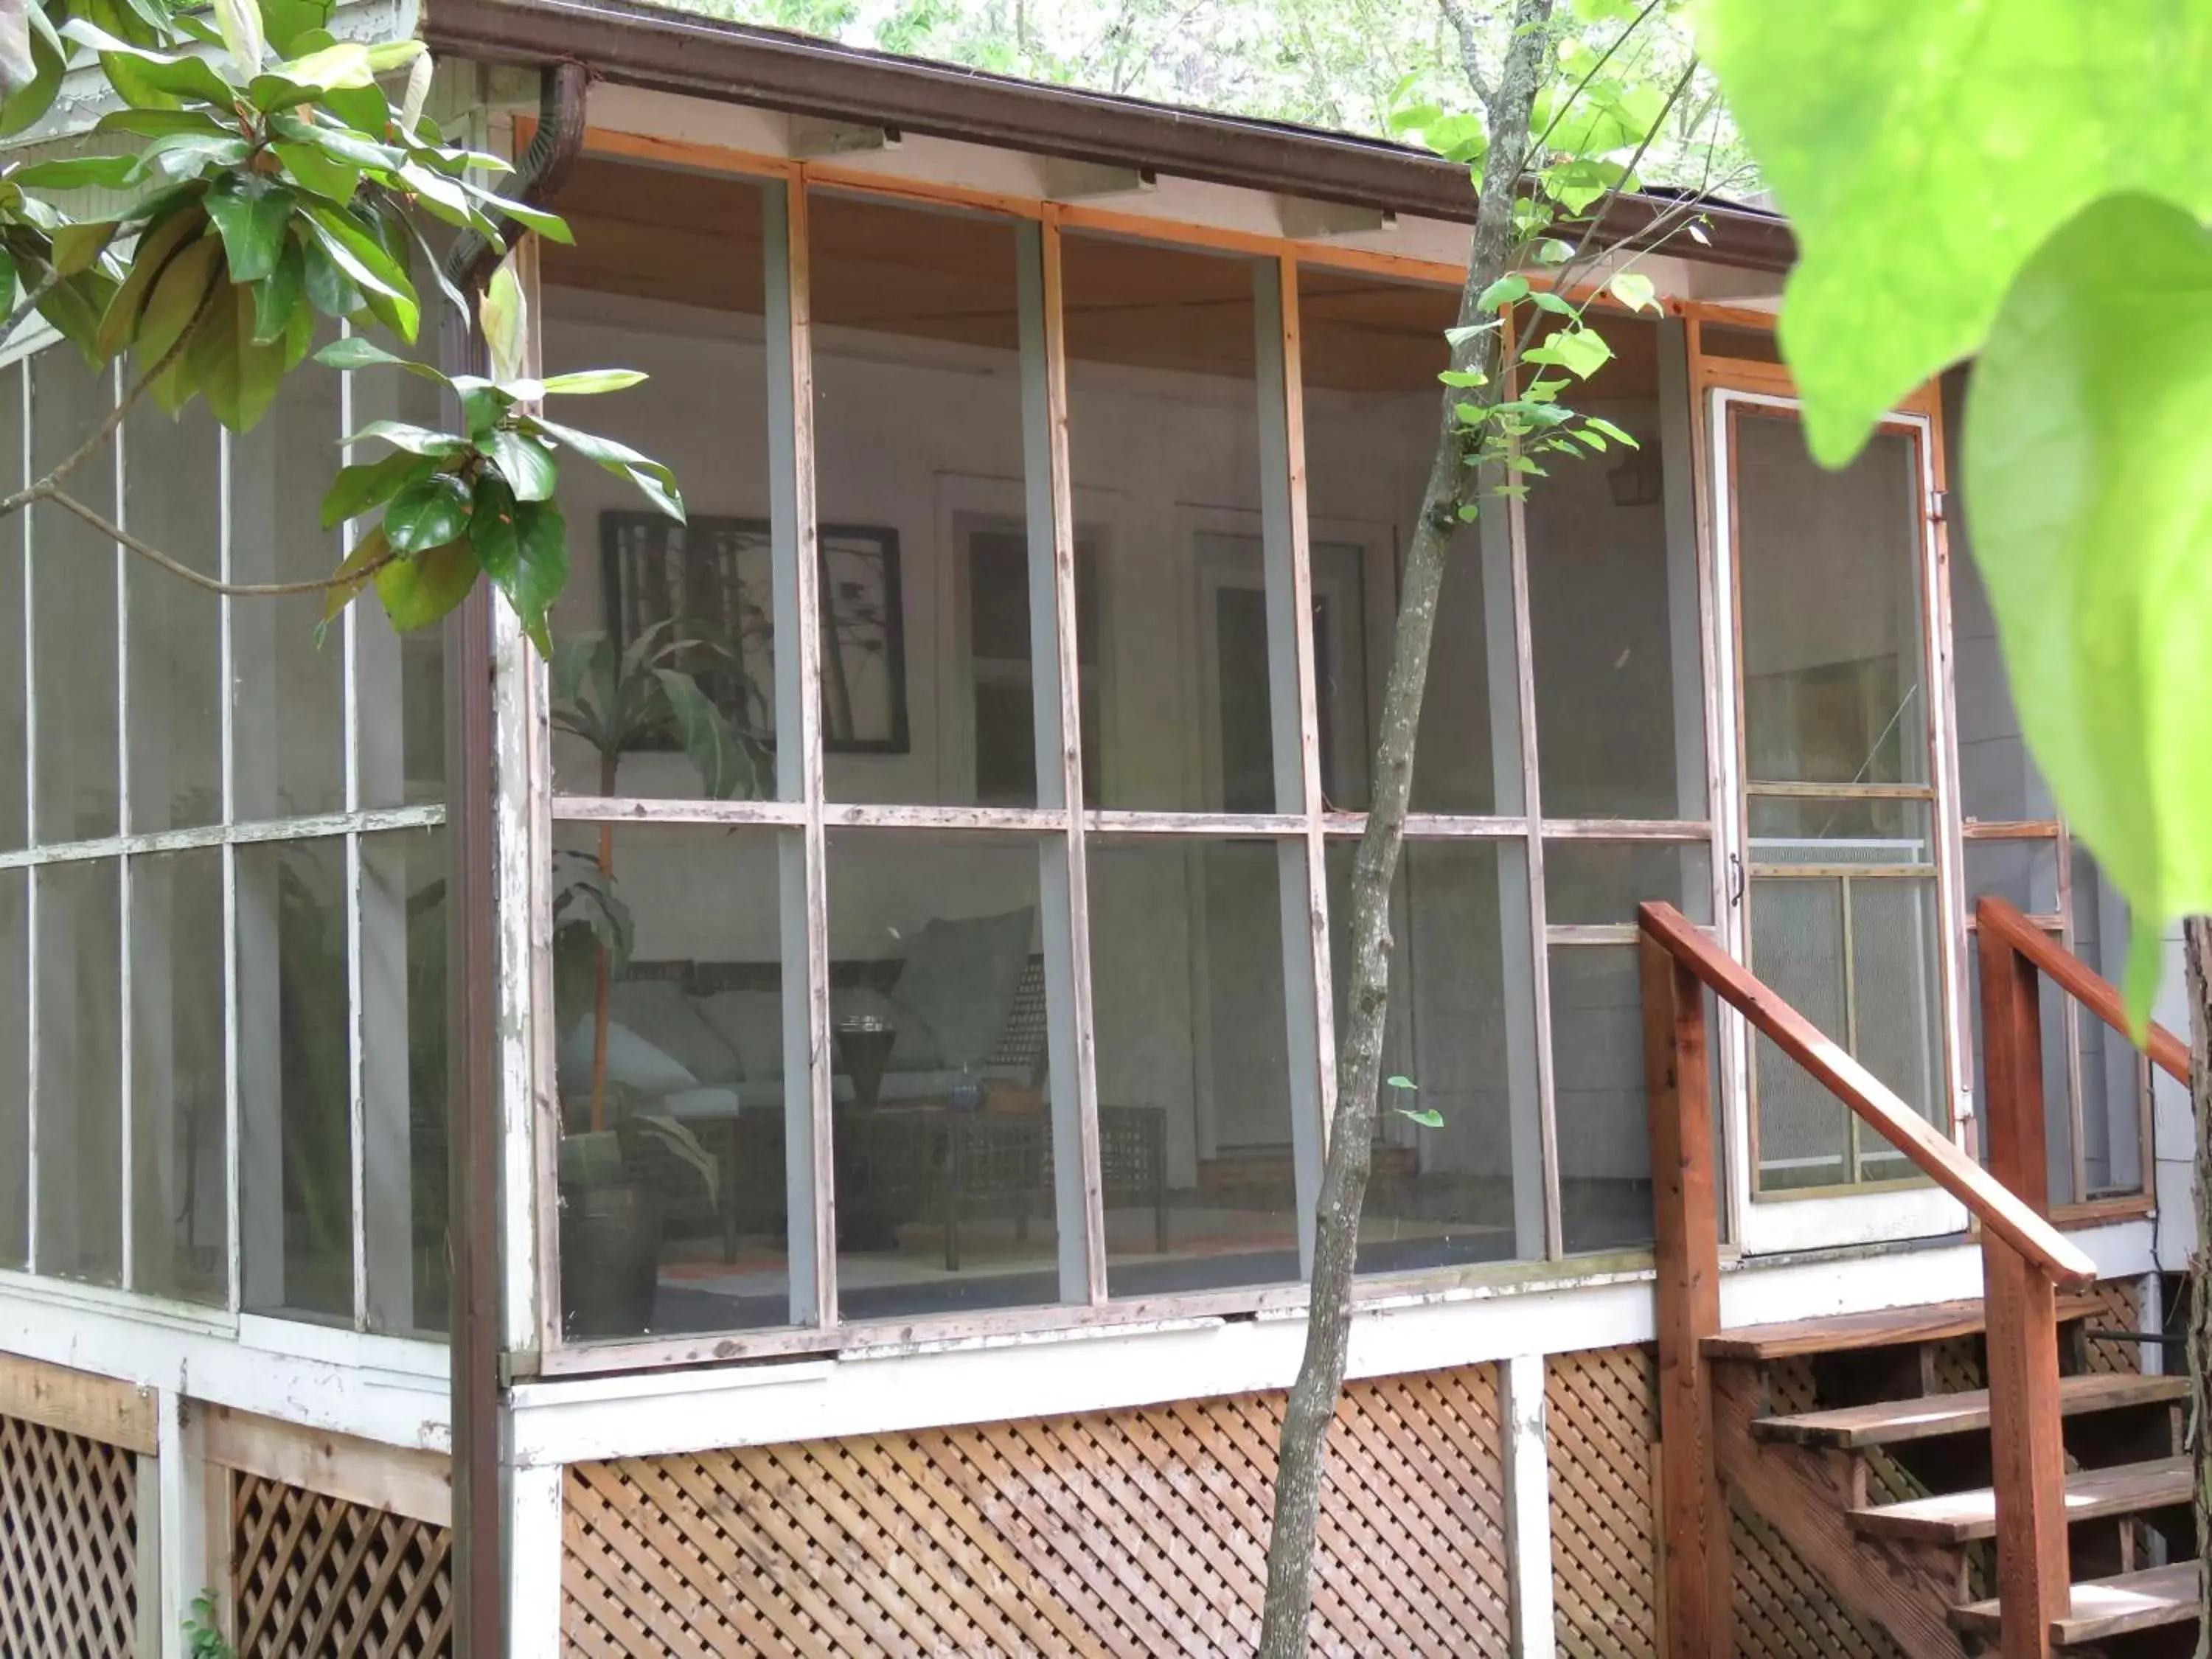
<point x="713" y="577"/>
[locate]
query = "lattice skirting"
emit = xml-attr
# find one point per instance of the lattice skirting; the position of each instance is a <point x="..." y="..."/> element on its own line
<point x="1603" y="1410"/>
<point x="318" y="1577"/>
<point x="1130" y="1533"/>
<point x="69" y="1552"/>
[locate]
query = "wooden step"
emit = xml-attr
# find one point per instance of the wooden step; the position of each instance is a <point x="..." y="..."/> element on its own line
<point x="1885" y="1327"/>
<point x="1958" y="1517"/>
<point x="2105" y="1608"/>
<point x="1889" y="1422"/>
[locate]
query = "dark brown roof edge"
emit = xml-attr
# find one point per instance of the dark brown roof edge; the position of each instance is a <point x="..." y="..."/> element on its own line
<point x="671" y="52"/>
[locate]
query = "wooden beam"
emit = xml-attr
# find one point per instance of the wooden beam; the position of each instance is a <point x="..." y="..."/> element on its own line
<point x="2082" y="982"/>
<point x="1687" y="1227"/>
<point x="78" y="1402"/>
<point x="2027" y="1455"/>
<point x="402" y="1480"/>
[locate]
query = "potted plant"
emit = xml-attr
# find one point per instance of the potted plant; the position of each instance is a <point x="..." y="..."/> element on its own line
<point x="617" y="701"/>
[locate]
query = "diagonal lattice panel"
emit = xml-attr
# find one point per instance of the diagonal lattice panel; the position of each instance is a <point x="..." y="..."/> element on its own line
<point x="69" y="1524"/>
<point x="318" y="1577"/>
<point x="1133" y="1533"/>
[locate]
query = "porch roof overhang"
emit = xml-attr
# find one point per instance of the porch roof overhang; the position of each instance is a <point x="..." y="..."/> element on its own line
<point x="733" y="62"/>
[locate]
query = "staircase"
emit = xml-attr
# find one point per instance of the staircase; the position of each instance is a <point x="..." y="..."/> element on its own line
<point x="1883" y="1487"/>
<point x="2047" y="1513"/>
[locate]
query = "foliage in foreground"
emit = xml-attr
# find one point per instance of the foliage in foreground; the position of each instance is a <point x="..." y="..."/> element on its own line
<point x="270" y="186"/>
<point x="2023" y="182"/>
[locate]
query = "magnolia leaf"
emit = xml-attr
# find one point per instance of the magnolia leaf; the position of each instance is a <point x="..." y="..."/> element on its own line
<point x="655" y="481"/>
<point x="358" y="487"/>
<point x="501" y="316"/>
<point x="1923" y="153"/>
<point x="541" y="569"/>
<point x="322" y="174"/>
<point x="77" y="246"/>
<point x="286" y="21"/>
<point x="420" y="591"/>
<point x="355" y="351"/>
<point x="17" y="65"/>
<point x="526" y="465"/>
<point x="586" y="382"/>
<point x="2090" y="475"/>
<point x="251" y="211"/>
<point x="240" y="22"/>
<point x="419" y="74"/>
<point x="358" y="569"/>
<point x="343" y="63"/>
<point x="77" y="173"/>
<point x="428" y="512"/>
<point x="402" y="434"/>
<point x="157" y="246"/>
<point x="1633" y="290"/>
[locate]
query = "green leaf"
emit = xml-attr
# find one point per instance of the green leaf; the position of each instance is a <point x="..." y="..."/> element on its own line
<point x="25" y="102"/>
<point x="364" y="262"/>
<point x="657" y="482"/>
<point x="170" y="77"/>
<point x="1464" y="378"/>
<point x="341" y="64"/>
<point x="157" y="246"/>
<point x="357" y="351"/>
<point x="716" y="753"/>
<point x="276" y="299"/>
<point x="1580" y="351"/>
<point x="319" y="174"/>
<point x="1502" y="292"/>
<point x="251" y="211"/>
<point x="524" y="548"/>
<point x="77" y="173"/>
<point x="77" y="246"/>
<point x="500" y="315"/>
<point x="359" y="567"/>
<point x="286" y="21"/>
<point x="1400" y="1082"/>
<point x="1634" y="289"/>
<point x="183" y="285"/>
<point x="2091" y="479"/>
<point x="586" y="382"/>
<point x="1600" y="423"/>
<point x="419" y="590"/>
<point x="1459" y="337"/>
<point x="416" y="440"/>
<point x="426" y="513"/>
<point x="526" y="465"/>
<point x="1428" y="1118"/>
<point x="1558" y="304"/>
<point x="330" y="290"/>
<point x="1923" y="152"/>
<point x="240" y="22"/>
<point x="159" y="123"/>
<point x="359" y="488"/>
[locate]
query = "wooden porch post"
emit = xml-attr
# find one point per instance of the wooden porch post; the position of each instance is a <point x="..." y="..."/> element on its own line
<point x="1687" y="1229"/>
<point x="2027" y="1456"/>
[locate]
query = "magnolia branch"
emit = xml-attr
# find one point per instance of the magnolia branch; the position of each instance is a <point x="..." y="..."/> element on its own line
<point x="43" y="488"/>
<point x="44" y="491"/>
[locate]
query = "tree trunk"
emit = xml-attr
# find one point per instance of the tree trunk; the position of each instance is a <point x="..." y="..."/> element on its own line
<point x="1351" y="1148"/>
<point x="2196" y="955"/>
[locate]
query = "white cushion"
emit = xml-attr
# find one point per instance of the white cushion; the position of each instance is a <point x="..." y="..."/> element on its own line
<point x="632" y="1062"/>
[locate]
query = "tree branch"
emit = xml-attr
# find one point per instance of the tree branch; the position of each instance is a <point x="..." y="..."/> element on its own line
<point x="43" y="488"/>
<point x="44" y="491"/>
<point x="1470" y="51"/>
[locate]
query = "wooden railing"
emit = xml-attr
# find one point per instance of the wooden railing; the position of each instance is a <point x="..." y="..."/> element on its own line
<point x="2025" y="1260"/>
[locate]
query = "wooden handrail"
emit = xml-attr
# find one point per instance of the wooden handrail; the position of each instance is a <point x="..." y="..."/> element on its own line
<point x="2078" y="981"/>
<point x="1997" y="1207"/>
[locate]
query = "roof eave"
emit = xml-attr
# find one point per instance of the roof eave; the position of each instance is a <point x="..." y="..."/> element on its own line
<point x="731" y="63"/>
